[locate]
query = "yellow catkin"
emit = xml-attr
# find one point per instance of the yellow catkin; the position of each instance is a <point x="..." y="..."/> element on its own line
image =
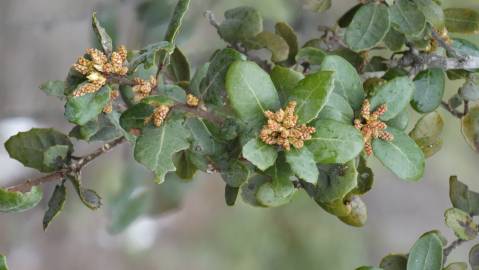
<point x="282" y="129"/>
<point x="192" y="101"/>
<point x="371" y="127"/>
<point x="142" y="88"/>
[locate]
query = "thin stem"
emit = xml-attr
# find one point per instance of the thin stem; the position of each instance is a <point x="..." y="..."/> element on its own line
<point x="453" y="111"/>
<point x="199" y="112"/>
<point x="74" y="167"/>
<point x="451" y="247"/>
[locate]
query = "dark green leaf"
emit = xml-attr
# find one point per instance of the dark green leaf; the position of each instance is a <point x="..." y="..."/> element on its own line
<point x="213" y="85"/>
<point x="338" y="109"/>
<point x="401" y="155"/>
<point x="474" y="257"/>
<point x="12" y="202"/>
<point x="250" y="189"/>
<point x="55" y="205"/>
<point x="463" y="198"/>
<point x="134" y="117"/>
<point x="427" y="133"/>
<point x="29" y="147"/>
<point x="311" y="94"/>
<point x="396" y="94"/>
<point x="335" y="142"/>
<point x="280" y="190"/>
<point x="55" y="156"/>
<point x="461" y="223"/>
<point x="426" y="254"/>
<point x="149" y="56"/>
<point x="470" y="128"/>
<point x="179" y="66"/>
<point x="203" y="140"/>
<point x="302" y="164"/>
<point x="250" y="92"/>
<point x="365" y="177"/>
<point x="235" y="172"/>
<point x="287" y="33"/>
<point x="347" y="17"/>
<point x="275" y="44"/>
<point x="368" y="27"/>
<point x="347" y="82"/>
<point x="176" y="20"/>
<point x="310" y="55"/>
<point x="394" y="40"/>
<point x="433" y="13"/>
<point x="240" y="24"/>
<point x="199" y="75"/>
<point x="394" y="262"/>
<point x="80" y="110"/>
<point x="185" y="168"/>
<point x="88" y="197"/>
<point x="462" y="20"/>
<point x="231" y="193"/>
<point x="102" y="36"/>
<point x="3" y="263"/>
<point x="54" y="88"/>
<point x="430" y="86"/>
<point x="285" y="79"/>
<point x="335" y="181"/>
<point x="407" y="18"/>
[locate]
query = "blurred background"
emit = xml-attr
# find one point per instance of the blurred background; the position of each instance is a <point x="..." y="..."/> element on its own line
<point x="188" y="225"/>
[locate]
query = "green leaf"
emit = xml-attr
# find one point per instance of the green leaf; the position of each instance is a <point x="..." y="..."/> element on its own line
<point x="302" y="164"/>
<point x="465" y="47"/>
<point x="199" y="75"/>
<point x="213" y="85"/>
<point x="149" y="56"/>
<point x="311" y="94"/>
<point x="260" y="154"/>
<point x="430" y="86"/>
<point x="88" y="197"/>
<point x="461" y="223"/>
<point x="275" y="44"/>
<point x="470" y="128"/>
<point x="280" y="190"/>
<point x="235" y="172"/>
<point x="102" y="36"/>
<point x="394" y="262"/>
<point x="469" y="91"/>
<point x="318" y="5"/>
<point x="396" y="94"/>
<point x="369" y="26"/>
<point x="427" y="133"/>
<point x="3" y="263"/>
<point x="29" y="147"/>
<point x="80" y="110"/>
<point x="185" y="168"/>
<point x="401" y="120"/>
<point x="347" y="17"/>
<point x="179" y="66"/>
<point x="105" y="128"/>
<point x="250" y="189"/>
<point x="13" y="202"/>
<point x="203" y="140"/>
<point x="426" y="254"/>
<point x="457" y="266"/>
<point x="287" y="33"/>
<point x="365" y="177"/>
<point x="134" y="117"/>
<point x="338" y="109"/>
<point x="358" y="215"/>
<point x="55" y="156"/>
<point x="474" y="257"/>
<point x="231" y="193"/>
<point x="433" y="13"/>
<point x="347" y="82"/>
<point x="55" y="205"/>
<point x="462" y="20"/>
<point x="394" y="40"/>
<point x="156" y="146"/>
<point x="240" y="24"/>
<point x="310" y="55"/>
<point x="335" y="181"/>
<point x="54" y="88"/>
<point x="176" y="20"/>
<point x="402" y="156"/>
<point x="407" y="18"/>
<point x="463" y="198"/>
<point x="335" y="142"/>
<point x="285" y="79"/>
<point x="250" y="92"/>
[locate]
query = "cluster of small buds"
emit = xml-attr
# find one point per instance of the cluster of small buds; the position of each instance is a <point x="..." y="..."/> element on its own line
<point x="143" y="88"/>
<point x="98" y="68"/>
<point x="281" y="129"/>
<point x="109" y="107"/>
<point x="192" y="101"/>
<point x="434" y="44"/>
<point x="158" y="116"/>
<point x="371" y="126"/>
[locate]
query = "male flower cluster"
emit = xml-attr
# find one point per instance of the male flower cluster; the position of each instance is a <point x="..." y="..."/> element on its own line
<point x="192" y="101"/>
<point x="142" y="88"/>
<point x="97" y="67"/>
<point x="282" y="129"/>
<point x="371" y="126"/>
<point x="158" y="116"/>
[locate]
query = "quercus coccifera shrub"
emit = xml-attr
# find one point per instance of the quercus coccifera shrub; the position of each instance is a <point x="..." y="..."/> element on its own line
<point x="309" y="118"/>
